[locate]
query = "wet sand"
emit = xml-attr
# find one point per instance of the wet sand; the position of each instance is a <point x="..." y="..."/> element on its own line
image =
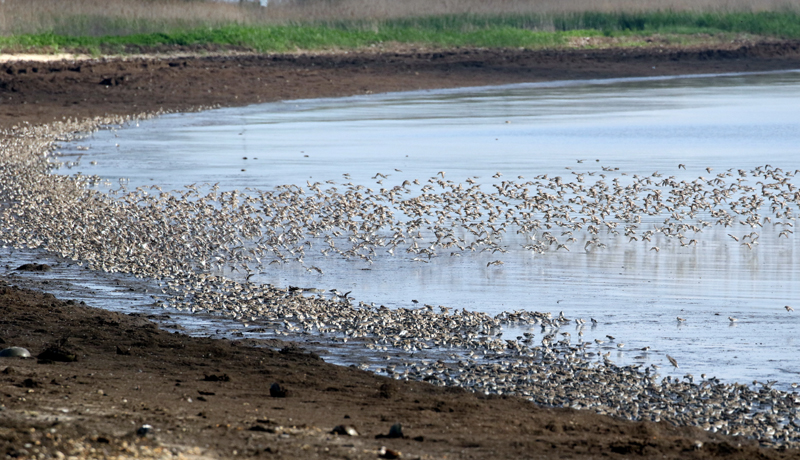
<point x="212" y="397"/>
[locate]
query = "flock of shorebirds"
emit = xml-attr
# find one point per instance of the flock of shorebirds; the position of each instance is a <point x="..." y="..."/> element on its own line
<point x="247" y="231"/>
<point x="203" y="244"/>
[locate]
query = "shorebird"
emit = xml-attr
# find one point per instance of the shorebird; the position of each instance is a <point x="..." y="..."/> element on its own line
<point x="190" y="238"/>
<point x="672" y="361"/>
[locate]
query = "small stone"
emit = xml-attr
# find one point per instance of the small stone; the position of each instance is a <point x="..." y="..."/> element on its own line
<point x="389" y="453"/>
<point x="385" y="391"/>
<point x="57" y="352"/>
<point x="396" y="431"/>
<point x="345" y="430"/>
<point x="277" y="391"/>
<point x="34" y="268"/>
<point x="144" y="430"/>
<point x="15" y="352"/>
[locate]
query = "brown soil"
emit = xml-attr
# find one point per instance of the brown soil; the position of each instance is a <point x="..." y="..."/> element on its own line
<point x="212" y="398"/>
<point x="40" y="92"/>
<point x="105" y="375"/>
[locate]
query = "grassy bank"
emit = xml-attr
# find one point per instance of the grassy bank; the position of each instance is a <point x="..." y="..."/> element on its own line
<point x="530" y="30"/>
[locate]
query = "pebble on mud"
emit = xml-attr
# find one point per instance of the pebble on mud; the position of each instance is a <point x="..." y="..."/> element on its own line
<point x="143" y="430"/>
<point x="15" y="352"/>
<point x="57" y="352"/>
<point x="277" y="391"/>
<point x="217" y="378"/>
<point x="396" y="431"/>
<point x="389" y="453"/>
<point x="345" y="430"/>
<point x="34" y="268"/>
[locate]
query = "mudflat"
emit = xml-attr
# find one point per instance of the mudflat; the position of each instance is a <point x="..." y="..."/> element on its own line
<point x="101" y="377"/>
<point x="40" y="92"/>
<point x="102" y="384"/>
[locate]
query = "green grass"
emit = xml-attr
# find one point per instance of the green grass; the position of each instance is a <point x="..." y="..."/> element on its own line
<point x="497" y="31"/>
<point x="778" y="24"/>
<point x="294" y="37"/>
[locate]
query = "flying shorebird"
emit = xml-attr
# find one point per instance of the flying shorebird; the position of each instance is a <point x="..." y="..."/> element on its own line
<point x="788" y="308"/>
<point x="672" y="361"/>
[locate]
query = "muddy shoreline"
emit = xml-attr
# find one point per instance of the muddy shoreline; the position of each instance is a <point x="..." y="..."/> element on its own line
<point x="107" y="375"/>
<point x="39" y="92"/>
<point x="209" y="398"/>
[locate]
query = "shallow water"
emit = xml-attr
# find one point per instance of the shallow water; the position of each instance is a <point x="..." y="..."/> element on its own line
<point x="639" y="126"/>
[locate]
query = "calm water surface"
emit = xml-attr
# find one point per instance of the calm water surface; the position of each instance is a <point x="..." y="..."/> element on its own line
<point x="638" y="126"/>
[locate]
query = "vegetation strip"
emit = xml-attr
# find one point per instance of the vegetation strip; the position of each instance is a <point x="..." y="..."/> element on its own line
<point x="496" y="31"/>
